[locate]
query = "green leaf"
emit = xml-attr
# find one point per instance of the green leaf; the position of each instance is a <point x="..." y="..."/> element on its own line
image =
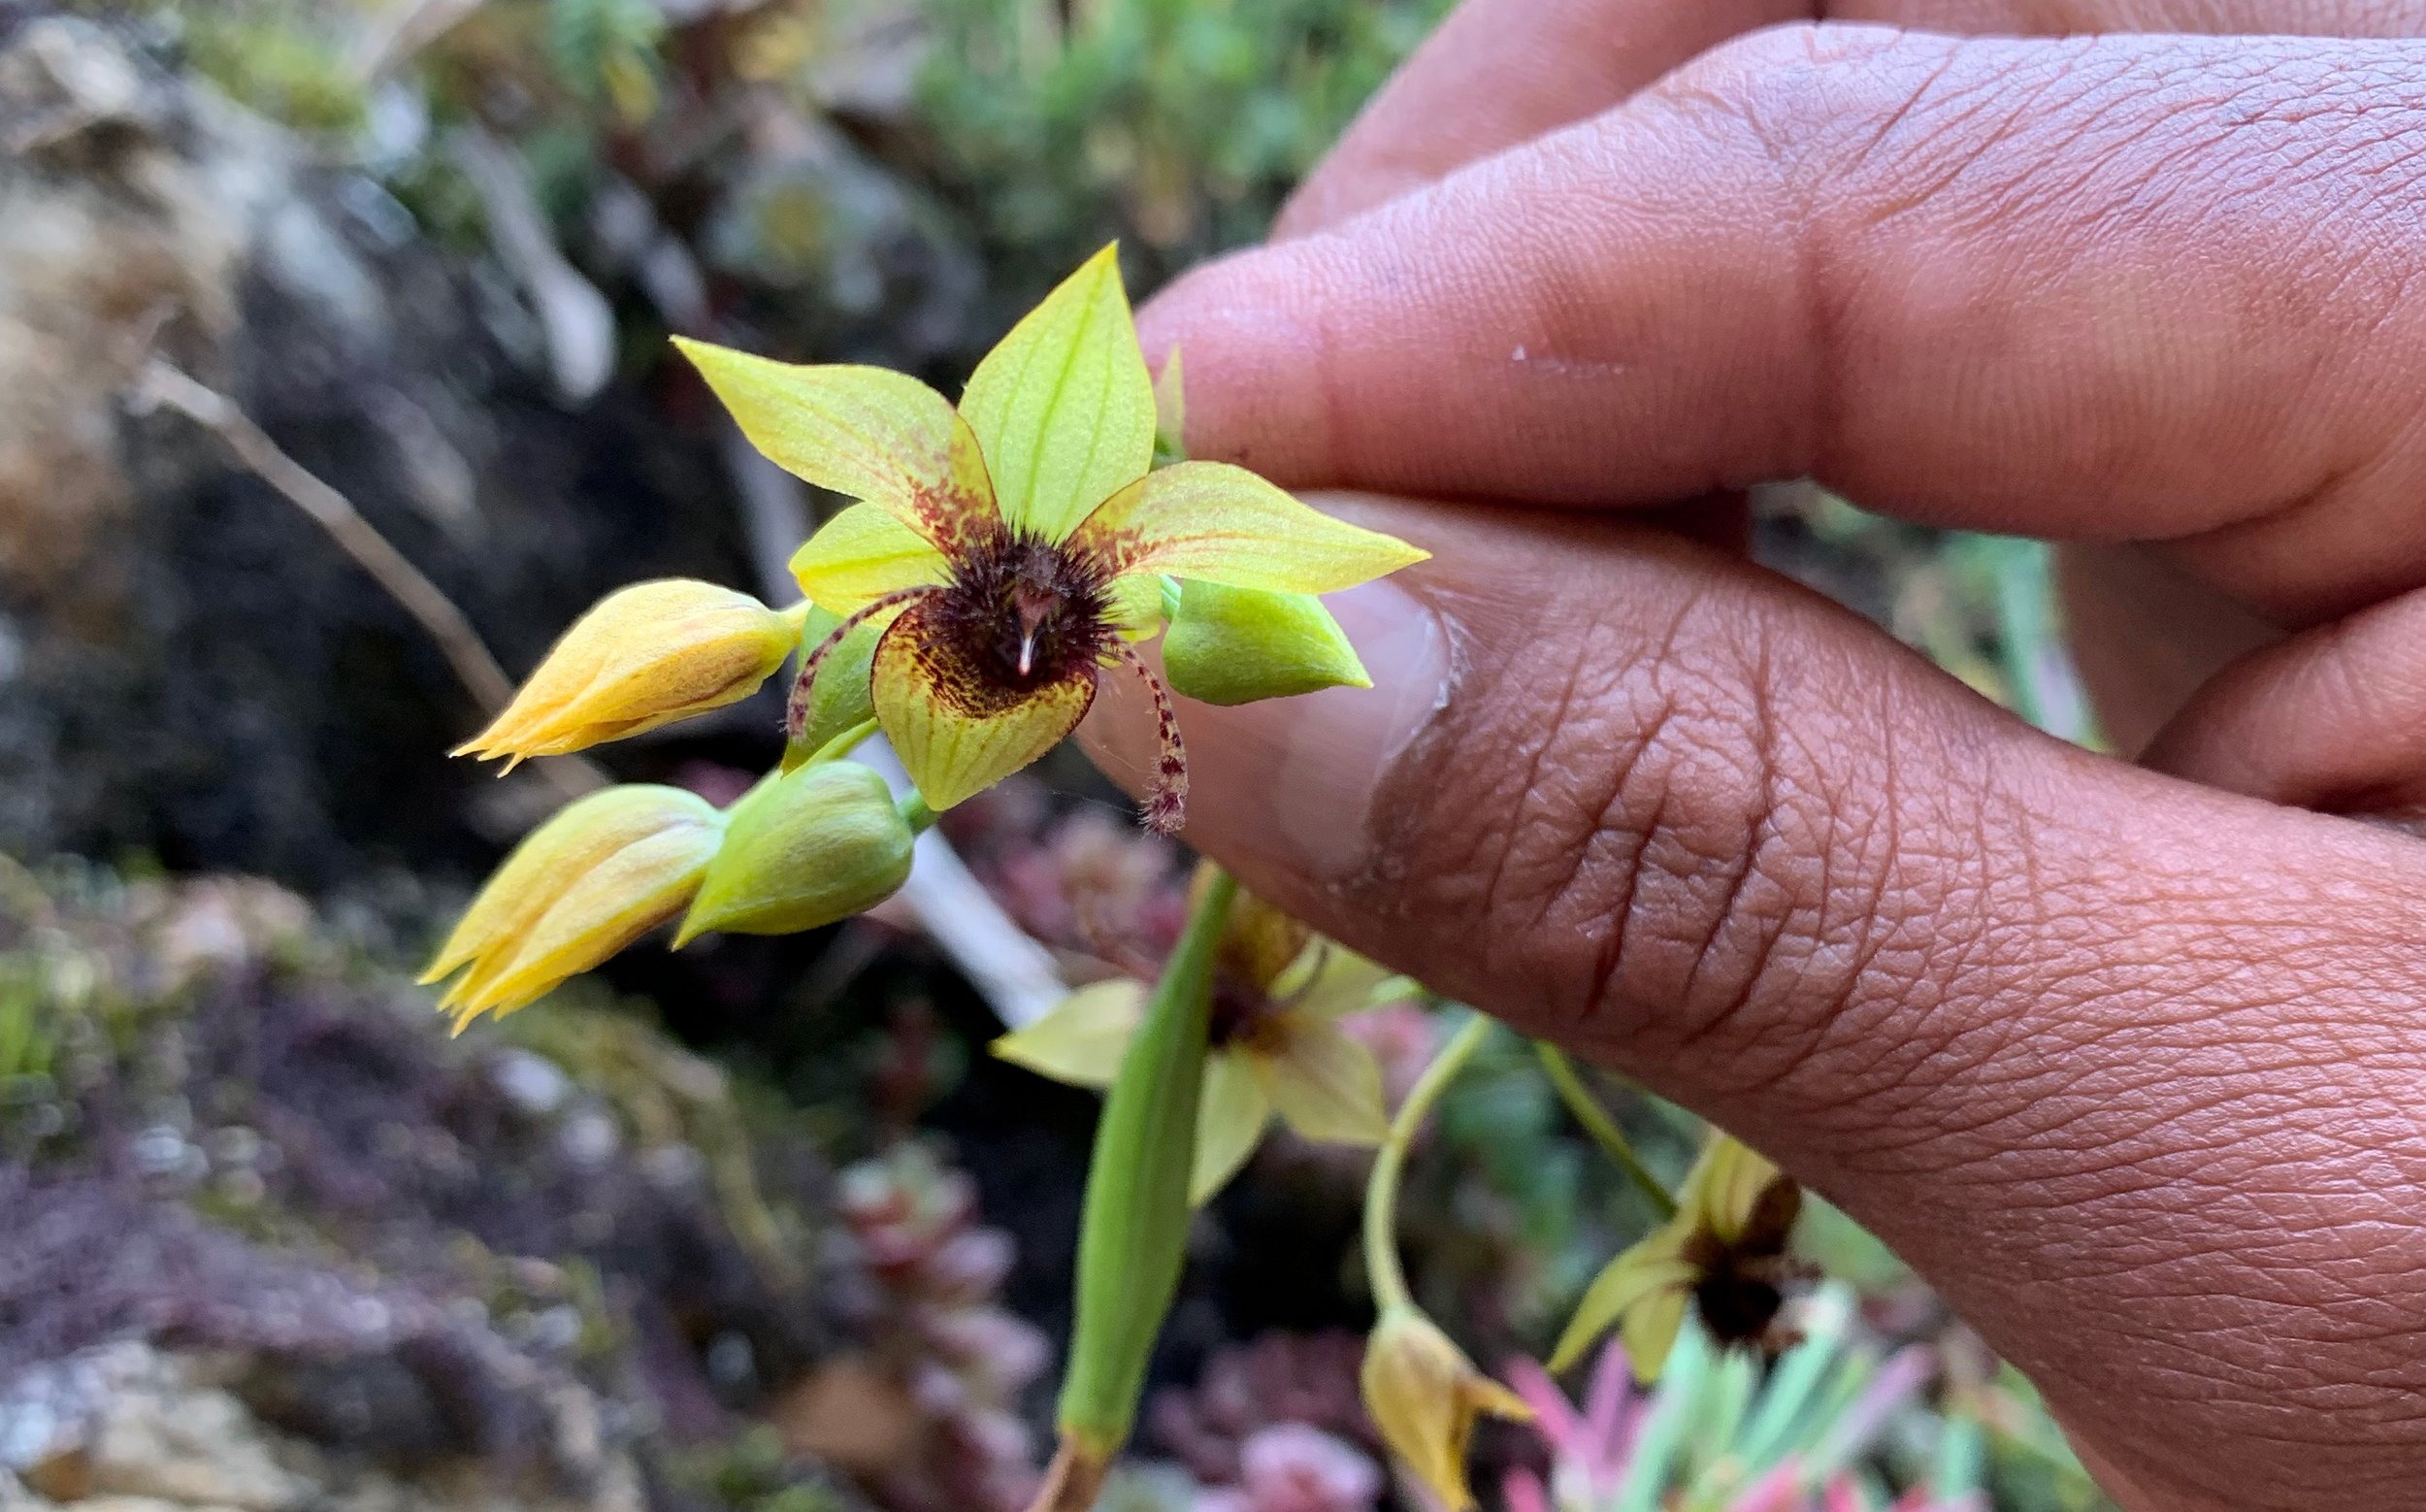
<point x="1133" y="1234"/>
<point x="1062" y="409"/>
<point x="1236" y="646"/>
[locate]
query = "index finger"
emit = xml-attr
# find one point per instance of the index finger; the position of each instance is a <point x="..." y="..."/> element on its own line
<point x="2123" y="288"/>
<point x="1497" y="73"/>
<point x="1500" y="71"/>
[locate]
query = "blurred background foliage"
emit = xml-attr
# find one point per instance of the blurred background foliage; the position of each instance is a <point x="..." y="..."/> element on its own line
<point x="815" y="1255"/>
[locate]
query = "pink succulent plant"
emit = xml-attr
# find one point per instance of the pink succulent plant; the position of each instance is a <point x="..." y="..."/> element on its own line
<point x="1295" y="1467"/>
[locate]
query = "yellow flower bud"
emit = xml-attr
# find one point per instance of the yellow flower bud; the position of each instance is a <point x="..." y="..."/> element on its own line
<point x="641" y="657"/>
<point x="598" y="876"/>
<point x="1424" y="1394"/>
<point x="804" y="849"/>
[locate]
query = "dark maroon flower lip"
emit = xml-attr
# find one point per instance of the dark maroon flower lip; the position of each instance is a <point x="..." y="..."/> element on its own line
<point x="1743" y="1282"/>
<point x="1022" y="611"/>
<point x="1019" y="619"/>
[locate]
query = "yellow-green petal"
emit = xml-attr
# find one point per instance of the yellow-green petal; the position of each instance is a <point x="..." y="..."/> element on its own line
<point x="1650" y="1333"/>
<point x="1231" y="1116"/>
<point x="573" y="839"/>
<point x="1136" y="608"/>
<point x="1330" y="981"/>
<point x="870" y="433"/>
<point x="1323" y="1084"/>
<point x="1064" y="408"/>
<point x="956" y="731"/>
<point x="1424" y="1394"/>
<point x="606" y="909"/>
<point x="1236" y="646"/>
<point x="1652" y="1265"/>
<point x="643" y="656"/>
<point x="1726" y="1185"/>
<point x="1082" y="1040"/>
<point x="860" y="555"/>
<point x="1224" y="524"/>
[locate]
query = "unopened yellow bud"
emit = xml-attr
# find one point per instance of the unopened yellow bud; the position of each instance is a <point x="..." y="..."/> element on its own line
<point x="641" y="657"/>
<point x="600" y="873"/>
<point x="805" y="849"/>
<point x="1425" y="1394"/>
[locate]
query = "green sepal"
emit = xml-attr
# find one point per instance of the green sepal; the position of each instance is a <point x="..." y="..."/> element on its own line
<point x="1236" y="646"/>
<point x="1171" y="413"/>
<point x="804" y="849"/>
<point x="1064" y="408"/>
<point x="1133" y="1234"/>
<point x="843" y="697"/>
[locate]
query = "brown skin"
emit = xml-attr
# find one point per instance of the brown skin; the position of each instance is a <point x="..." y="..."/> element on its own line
<point x="2127" y="1059"/>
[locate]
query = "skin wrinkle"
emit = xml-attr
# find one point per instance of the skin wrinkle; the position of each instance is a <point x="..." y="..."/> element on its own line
<point x="1759" y="745"/>
<point x="1492" y="906"/>
<point x="1875" y="908"/>
<point x="1627" y="853"/>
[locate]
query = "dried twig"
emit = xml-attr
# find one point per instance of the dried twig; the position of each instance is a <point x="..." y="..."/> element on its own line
<point x="579" y="322"/>
<point x="160" y="384"/>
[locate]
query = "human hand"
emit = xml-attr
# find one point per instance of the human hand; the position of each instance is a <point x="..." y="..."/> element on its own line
<point x="2123" y="1060"/>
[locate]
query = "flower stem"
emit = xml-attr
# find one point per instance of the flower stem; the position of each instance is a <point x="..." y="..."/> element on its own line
<point x="1586" y="1109"/>
<point x="840" y="745"/>
<point x="914" y="811"/>
<point x="1381" y="1191"/>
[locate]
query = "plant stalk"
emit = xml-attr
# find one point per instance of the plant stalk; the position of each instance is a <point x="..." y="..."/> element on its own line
<point x="1382" y="1270"/>
<point x="1132" y="1237"/>
<point x="1586" y="1109"/>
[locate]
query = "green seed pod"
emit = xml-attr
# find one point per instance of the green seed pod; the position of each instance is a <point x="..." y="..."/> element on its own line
<point x="804" y="849"/>
<point x="1236" y="646"/>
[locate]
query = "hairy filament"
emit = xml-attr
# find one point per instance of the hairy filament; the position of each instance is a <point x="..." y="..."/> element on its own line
<point x="1167" y="800"/>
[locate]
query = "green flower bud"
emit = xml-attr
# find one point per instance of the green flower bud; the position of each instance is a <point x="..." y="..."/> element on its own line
<point x="804" y="849"/>
<point x="1236" y="646"/>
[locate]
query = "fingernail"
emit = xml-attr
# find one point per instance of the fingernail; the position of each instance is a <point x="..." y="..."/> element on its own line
<point x="1326" y="753"/>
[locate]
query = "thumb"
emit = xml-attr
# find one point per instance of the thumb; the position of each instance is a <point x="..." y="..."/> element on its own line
<point x="2123" y="1064"/>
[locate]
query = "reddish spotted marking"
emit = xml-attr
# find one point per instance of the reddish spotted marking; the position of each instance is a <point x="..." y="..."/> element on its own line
<point x="1167" y="800"/>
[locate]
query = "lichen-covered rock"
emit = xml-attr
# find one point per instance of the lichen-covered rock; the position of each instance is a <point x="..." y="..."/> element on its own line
<point x="275" y="1241"/>
<point x="189" y="665"/>
<point x="127" y="1427"/>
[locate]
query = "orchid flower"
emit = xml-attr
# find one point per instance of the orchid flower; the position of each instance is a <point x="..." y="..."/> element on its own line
<point x="1723" y="1254"/>
<point x="1277" y="1045"/>
<point x="1012" y="549"/>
